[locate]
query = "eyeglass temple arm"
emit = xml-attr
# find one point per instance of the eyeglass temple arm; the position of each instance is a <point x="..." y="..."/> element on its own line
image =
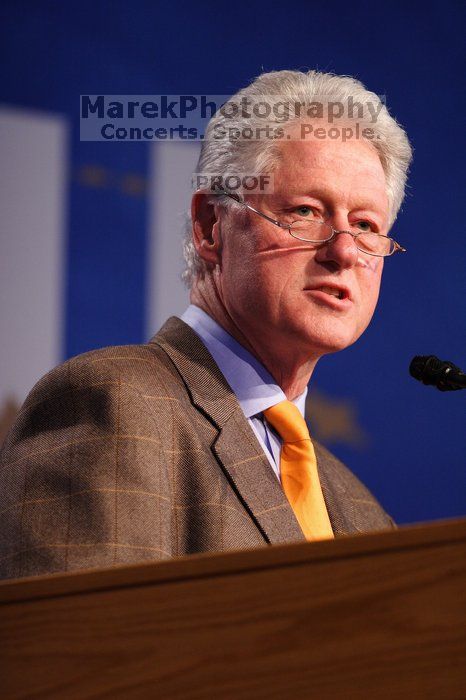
<point x="236" y="198"/>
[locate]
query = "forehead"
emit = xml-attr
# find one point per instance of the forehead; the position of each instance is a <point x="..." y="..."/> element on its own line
<point x="349" y="169"/>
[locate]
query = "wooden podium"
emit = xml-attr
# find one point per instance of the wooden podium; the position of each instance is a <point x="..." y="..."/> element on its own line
<point x="373" y="617"/>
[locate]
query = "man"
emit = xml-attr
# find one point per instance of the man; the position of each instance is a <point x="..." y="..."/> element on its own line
<point x="195" y="442"/>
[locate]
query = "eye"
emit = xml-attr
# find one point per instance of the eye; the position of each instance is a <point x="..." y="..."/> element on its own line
<point x="305" y="210"/>
<point x="365" y="226"/>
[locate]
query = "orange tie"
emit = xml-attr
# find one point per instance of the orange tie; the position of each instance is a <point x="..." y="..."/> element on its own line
<point x="298" y="470"/>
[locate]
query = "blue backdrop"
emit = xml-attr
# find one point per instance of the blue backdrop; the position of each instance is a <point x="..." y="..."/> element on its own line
<point x="51" y="53"/>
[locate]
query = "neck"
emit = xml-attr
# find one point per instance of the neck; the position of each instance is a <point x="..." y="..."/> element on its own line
<point x="292" y="372"/>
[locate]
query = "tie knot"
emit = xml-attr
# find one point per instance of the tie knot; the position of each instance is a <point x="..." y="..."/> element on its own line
<point x="287" y="420"/>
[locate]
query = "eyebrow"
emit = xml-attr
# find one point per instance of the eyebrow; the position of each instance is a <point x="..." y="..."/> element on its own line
<point x="324" y="196"/>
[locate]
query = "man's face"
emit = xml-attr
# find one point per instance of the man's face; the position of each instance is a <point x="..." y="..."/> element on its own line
<point x="280" y="292"/>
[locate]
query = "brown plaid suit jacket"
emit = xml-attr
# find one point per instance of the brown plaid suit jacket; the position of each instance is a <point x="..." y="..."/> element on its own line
<point x="140" y="453"/>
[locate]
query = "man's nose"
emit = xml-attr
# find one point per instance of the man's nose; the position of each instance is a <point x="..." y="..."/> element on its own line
<point x="341" y="250"/>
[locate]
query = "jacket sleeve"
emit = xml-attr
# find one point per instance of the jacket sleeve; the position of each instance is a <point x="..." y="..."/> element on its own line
<point x="75" y="491"/>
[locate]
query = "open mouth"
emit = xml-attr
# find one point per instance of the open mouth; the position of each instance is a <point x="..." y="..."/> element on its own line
<point x="340" y="293"/>
<point x="333" y="291"/>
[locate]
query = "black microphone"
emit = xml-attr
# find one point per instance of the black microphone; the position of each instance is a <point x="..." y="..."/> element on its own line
<point x="446" y="376"/>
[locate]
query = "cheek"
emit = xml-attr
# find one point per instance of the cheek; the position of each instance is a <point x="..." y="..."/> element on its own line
<point x="370" y="287"/>
<point x="261" y="272"/>
<point x="251" y="286"/>
<point x="277" y="283"/>
<point x="240" y="281"/>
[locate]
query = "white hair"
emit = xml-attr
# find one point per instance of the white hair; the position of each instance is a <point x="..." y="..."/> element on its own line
<point x="261" y="155"/>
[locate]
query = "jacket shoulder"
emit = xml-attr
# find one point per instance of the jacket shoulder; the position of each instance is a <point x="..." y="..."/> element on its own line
<point x="87" y="450"/>
<point x="130" y="363"/>
<point x="87" y="389"/>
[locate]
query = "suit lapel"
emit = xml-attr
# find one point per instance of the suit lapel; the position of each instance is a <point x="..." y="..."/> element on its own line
<point x="236" y="447"/>
<point x="337" y="499"/>
<point x="243" y="459"/>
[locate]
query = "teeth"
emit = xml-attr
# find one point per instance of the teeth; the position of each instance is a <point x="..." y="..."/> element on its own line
<point x="331" y="290"/>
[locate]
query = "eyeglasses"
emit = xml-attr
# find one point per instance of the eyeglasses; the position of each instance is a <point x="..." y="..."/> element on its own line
<point x="319" y="232"/>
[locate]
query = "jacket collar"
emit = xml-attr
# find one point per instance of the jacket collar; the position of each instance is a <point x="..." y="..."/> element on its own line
<point x="236" y="447"/>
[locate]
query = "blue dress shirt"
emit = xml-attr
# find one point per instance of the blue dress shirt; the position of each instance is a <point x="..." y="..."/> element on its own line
<point x="252" y="384"/>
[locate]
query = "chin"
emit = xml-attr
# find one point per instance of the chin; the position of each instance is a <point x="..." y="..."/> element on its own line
<point x="322" y="340"/>
<point x="337" y="346"/>
<point x="328" y="346"/>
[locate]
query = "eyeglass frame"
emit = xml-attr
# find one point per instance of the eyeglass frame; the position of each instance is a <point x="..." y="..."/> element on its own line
<point x="397" y="247"/>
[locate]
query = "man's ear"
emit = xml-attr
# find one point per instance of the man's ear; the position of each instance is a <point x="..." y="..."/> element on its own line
<point x="206" y="228"/>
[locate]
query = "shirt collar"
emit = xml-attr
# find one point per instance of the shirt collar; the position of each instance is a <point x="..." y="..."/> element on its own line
<point x="254" y="387"/>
